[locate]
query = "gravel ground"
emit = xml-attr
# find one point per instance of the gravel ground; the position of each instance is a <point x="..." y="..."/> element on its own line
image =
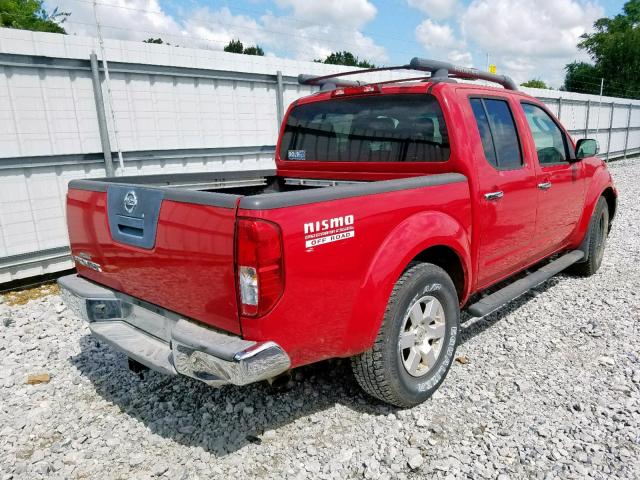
<point x="551" y="389"/>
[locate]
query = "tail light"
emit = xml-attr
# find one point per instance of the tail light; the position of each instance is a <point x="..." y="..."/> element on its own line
<point x="360" y="90"/>
<point x="260" y="266"/>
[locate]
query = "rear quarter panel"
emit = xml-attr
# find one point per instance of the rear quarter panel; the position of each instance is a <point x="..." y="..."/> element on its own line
<point x="335" y="294"/>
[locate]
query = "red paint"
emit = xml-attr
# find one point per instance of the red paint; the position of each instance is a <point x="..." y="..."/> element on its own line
<point x="335" y="294"/>
<point x="190" y="270"/>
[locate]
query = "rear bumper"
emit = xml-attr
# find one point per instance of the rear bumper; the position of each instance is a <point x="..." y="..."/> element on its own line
<point x="168" y="343"/>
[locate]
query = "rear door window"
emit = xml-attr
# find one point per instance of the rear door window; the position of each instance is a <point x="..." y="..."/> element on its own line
<point x="380" y="128"/>
<point x="485" y="131"/>
<point x="498" y="132"/>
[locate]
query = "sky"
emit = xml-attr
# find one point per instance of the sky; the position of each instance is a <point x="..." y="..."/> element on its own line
<point x="523" y="38"/>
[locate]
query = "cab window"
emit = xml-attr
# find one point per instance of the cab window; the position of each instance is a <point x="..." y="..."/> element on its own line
<point x="497" y="132"/>
<point x="376" y="128"/>
<point x="550" y="142"/>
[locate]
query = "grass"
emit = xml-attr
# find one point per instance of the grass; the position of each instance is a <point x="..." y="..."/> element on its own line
<point x="24" y="295"/>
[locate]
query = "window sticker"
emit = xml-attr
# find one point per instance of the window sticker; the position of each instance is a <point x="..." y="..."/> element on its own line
<point x="297" y="155"/>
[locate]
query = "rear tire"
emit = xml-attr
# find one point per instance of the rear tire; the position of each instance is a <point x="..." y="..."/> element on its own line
<point x="417" y="340"/>
<point x="598" y="232"/>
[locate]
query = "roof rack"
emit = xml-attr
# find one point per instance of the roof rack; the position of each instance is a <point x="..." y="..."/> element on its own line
<point x="439" y="72"/>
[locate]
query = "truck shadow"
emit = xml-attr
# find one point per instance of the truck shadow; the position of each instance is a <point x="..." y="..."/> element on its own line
<point x="222" y="421"/>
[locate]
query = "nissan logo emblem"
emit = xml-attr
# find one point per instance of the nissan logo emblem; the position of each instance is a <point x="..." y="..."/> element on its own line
<point x="130" y="201"/>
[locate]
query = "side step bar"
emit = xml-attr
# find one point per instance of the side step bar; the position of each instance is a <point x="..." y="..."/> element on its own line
<point x="512" y="291"/>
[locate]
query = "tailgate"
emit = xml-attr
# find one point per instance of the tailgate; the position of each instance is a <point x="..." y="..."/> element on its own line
<point x="170" y="247"/>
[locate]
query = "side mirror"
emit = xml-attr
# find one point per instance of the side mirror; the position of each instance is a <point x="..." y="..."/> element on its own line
<point x="586" y="147"/>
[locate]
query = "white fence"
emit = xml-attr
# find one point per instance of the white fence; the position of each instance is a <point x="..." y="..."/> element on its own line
<point x="176" y="109"/>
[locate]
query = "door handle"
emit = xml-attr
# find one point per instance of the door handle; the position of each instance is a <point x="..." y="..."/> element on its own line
<point x="493" y="195"/>
<point x="544" y="185"/>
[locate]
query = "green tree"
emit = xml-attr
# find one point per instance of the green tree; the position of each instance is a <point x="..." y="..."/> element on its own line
<point x="254" y="51"/>
<point x="31" y="15"/>
<point x="236" y="46"/>
<point x="582" y="77"/>
<point x="158" y="41"/>
<point x="614" y="48"/>
<point x="535" y="83"/>
<point x="346" y="58"/>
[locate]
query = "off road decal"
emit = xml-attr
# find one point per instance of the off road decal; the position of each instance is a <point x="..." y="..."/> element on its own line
<point x="329" y="230"/>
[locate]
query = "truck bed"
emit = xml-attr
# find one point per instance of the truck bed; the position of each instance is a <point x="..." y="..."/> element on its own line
<point x="241" y="183"/>
<point x="169" y="239"/>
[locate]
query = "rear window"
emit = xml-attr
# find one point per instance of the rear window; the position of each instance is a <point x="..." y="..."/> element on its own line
<point x="385" y="128"/>
<point x="498" y="133"/>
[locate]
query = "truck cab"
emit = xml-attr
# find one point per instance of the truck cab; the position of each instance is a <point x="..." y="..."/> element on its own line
<point x="393" y="206"/>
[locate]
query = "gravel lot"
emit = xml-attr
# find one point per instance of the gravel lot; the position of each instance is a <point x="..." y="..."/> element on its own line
<point x="551" y="390"/>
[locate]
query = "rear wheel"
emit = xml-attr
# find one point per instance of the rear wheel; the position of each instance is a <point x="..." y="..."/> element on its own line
<point x="598" y="232"/>
<point x="417" y="339"/>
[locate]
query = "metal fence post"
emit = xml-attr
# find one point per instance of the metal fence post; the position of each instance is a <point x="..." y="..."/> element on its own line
<point x="560" y="108"/>
<point x="626" y="137"/>
<point x="586" y="124"/>
<point x="279" y="98"/>
<point x="102" y="117"/>
<point x="613" y="106"/>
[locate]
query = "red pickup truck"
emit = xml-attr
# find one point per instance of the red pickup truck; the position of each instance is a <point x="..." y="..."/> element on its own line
<point x="394" y="206"/>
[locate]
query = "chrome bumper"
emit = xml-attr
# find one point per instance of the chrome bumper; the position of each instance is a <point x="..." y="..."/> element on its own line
<point x="168" y="343"/>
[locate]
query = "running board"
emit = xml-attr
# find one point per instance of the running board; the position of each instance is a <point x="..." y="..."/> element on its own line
<point x="512" y="291"/>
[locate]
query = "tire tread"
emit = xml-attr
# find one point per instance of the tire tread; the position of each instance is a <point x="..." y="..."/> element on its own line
<point x="589" y="267"/>
<point x="369" y="367"/>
